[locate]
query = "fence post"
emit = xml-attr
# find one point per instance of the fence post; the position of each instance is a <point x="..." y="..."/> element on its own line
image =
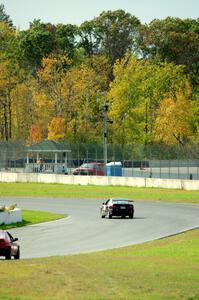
<point x="87" y="156"/>
<point x="96" y="154"/>
<point x="151" y="169"/>
<point x="132" y="169"/>
<point x="78" y="156"/>
<point x="160" y="169"/>
<point x="189" y="175"/>
<point x="178" y="169"/>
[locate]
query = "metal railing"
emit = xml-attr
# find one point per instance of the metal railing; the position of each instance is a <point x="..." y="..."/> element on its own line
<point x="58" y="168"/>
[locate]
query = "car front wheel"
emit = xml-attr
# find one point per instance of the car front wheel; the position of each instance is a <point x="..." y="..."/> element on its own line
<point x="17" y="256"/>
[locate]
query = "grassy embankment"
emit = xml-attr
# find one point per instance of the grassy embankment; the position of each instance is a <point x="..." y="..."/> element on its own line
<point x="30" y="217"/>
<point x="167" y="269"/>
<point x="100" y="192"/>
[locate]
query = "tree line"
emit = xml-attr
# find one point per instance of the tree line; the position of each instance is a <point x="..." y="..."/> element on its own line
<point x="55" y="78"/>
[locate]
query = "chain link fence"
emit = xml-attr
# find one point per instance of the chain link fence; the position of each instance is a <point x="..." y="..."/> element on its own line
<point x="150" y="161"/>
<point x="12" y="155"/>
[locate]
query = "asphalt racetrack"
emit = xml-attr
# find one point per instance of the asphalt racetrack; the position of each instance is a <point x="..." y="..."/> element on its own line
<point x="84" y="230"/>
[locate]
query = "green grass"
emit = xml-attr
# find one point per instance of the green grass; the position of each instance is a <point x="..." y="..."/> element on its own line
<point x="102" y="192"/>
<point x="30" y="217"/>
<point x="166" y="269"/>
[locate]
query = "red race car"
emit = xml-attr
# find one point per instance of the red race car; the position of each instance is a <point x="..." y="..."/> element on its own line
<point x="93" y="168"/>
<point x="8" y="245"/>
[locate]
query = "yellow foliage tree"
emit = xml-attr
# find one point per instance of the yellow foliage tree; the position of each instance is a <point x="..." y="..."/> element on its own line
<point x="8" y="81"/>
<point x="56" y="129"/>
<point x="22" y="110"/>
<point x="138" y="88"/>
<point x="72" y="93"/>
<point x="51" y="74"/>
<point x="173" y="119"/>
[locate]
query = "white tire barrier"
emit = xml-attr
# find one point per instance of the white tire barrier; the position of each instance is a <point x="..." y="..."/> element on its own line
<point x="12" y="216"/>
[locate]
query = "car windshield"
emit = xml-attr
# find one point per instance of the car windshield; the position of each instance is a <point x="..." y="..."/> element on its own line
<point x="4" y="235"/>
<point x="88" y="166"/>
<point x="120" y="202"/>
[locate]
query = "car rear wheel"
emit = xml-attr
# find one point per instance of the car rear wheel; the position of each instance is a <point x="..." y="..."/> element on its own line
<point x="8" y="254"/>
<point x="109" y="216"/>
<point x="131" y="216"/>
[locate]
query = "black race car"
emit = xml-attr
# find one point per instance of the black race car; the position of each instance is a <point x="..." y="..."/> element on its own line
<point x="117" y="207"/>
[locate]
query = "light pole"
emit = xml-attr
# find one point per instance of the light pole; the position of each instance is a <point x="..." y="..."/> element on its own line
<point x="105" y="131"/>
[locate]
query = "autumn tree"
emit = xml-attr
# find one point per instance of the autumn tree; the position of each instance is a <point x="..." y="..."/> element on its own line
<point x="8" y="80"/>
<point x="173" y="121"/>
<point x="74" y="94"/>
<point x="35" y="134"/>
<point x="135" y="95"/>
<point x="56" y="129"/>
<point x="23" y="109"/>
<point x="51" y="74"/>
<point x="83" y="102"/>
<point x="32" y="110"/>
<point x="54" y="79"/>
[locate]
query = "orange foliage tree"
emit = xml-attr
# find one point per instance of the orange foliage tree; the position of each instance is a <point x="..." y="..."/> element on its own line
<point x="35" y="134"/>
